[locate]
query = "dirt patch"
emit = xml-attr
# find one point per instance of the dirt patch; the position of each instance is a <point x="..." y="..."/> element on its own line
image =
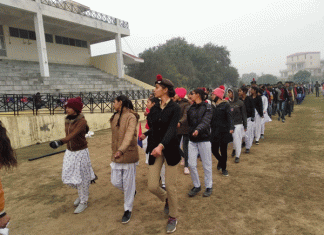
<point x="277" y="189"/>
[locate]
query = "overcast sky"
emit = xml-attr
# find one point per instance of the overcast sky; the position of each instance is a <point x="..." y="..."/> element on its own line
<point x="259" y="34"/>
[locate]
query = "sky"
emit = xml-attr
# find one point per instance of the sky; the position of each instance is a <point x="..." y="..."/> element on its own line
<point x="258" y="34"/>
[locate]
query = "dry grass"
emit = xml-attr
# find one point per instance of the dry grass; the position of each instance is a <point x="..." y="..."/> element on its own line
<point x="277" y="189"/>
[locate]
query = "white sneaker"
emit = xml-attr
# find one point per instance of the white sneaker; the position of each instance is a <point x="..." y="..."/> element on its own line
<point x="77" y="202"/>
<point x="186" y="171"/>
<point x="81" y="207"/>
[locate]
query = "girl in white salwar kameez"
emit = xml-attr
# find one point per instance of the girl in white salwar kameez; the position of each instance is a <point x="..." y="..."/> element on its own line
<point x="266" y="117"/>
<point x="124" y="152"/>
<point x="77" y="171"/>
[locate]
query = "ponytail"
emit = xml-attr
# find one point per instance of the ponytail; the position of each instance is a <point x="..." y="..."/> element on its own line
<point x="7" y="154"/>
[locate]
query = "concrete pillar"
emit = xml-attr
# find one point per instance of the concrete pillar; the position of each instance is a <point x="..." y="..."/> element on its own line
<point x="120" y="60"/>
<point x="41" y="44"/>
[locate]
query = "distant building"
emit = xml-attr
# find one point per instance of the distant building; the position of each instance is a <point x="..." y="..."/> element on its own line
<point x="309" y="61"/>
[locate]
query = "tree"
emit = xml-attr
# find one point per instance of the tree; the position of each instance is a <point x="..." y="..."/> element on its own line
<point x="267" y="79"/>
<point x="186" y="65"/>
<point x="302" y="76"/>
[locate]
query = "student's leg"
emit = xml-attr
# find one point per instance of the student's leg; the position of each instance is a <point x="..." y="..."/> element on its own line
<point x="193" y="154"/>
<point x="171" y="175"/>
<point x="248" y="134"/>
<point x="129" y="187"/>
<point x="116" y="179"/>
<point x="237" y="139"/>
<point x="257" y="127"/>
<point x="215" y="151"/>
<point x="154" y="179"/>
<point x="185" y="148"/>
<point x="205" y="154"/>
<point x="223" y="149"/>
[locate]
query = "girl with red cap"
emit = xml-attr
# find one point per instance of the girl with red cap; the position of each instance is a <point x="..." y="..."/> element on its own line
<point x="77" y="171"/>
<point x="222" y="128"/>
<point x="183" y="128"/>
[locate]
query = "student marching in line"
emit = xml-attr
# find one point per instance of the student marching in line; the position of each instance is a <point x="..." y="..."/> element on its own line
<point x="182" y="128"/>
<point x="222" y="128"/>
<point x="77" y="171"/>
<point x="257" y="102"/>
<point x="164" y="147"/>
<point x="250" y="115"/>
<point x="199" y="117"/>
<point x="8" y="161"/>
<point x="151" y="101"/>
<point x="240" y="122"/>
<point x="124" y="152"/>
<point x="266" y="117"/>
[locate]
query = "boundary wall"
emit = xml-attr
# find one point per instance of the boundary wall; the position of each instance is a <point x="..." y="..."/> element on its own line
<point x="24" y="131"/>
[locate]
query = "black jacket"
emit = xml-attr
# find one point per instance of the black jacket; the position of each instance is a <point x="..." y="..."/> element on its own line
<point x="238" y="109"/>
<point x="199" y="117"/>
<point x="249" y="106"/>
<point x="258" y="104"/>
<point x="222" y="123"/>
<point x="163" y="126"/>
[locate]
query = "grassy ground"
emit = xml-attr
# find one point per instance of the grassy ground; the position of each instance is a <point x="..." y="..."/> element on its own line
<point x="276" y="189"/>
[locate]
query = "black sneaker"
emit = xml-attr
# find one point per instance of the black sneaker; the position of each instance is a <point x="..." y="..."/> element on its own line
<point x="257" y="142"/>
<point x="218" y="167"/>
<point x="225" y="173"/>
<point x="171" y="226"/>
<point x="208" y="192"/>
<point x="233" y="153"/>
<point x="243" y="144"/>
<point x="247" y="150"/>
<point x="262" y="136"/>
<point x="166" y="207"/>
<point x="193" y="192"/>
<point x="237" y="160"/>
<point x="126" y="217"/>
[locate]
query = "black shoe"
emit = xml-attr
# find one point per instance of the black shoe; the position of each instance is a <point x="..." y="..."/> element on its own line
<point x="243" y="144"/>
<point x="262" y="137"/>
<point x="237" y="160"/>
<point x="247" y="150"/>
<point x="166" y="207"/>
<point x="219" y="168"/>
<point x="193" y="192"/>
<point x="208" y="192"/>
<point x="126" y="217"/>
<point x="257" y="142"/>
<point x="233" y="153"/>
<point x="225" y="173"/>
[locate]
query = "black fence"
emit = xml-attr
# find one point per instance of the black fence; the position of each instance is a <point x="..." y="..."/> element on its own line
<point x="99" y="102"/>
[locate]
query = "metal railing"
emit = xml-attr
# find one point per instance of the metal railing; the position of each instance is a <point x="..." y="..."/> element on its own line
<point x="100" y="102"/>
<point x="85" y="11"/>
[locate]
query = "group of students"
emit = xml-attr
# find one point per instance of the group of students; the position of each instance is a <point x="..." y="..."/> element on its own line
<point x="178" y="128"/>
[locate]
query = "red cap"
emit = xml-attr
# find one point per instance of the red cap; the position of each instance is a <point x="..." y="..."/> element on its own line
<point x="75" y="103"/>
<point x="181" y="92"/>
<point x="222" y="87"/>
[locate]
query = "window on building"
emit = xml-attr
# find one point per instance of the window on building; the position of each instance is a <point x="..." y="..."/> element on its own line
<point x="23" y="33"/>
<point x="78" y="43"/>
<point x="31" y="35"/>
<point x="72" y="41"/>
<point x="65" y="41"/>
<point x="14" y="32"/>
<point x="58" y="40"/>
<point x="2" y="43"/>
<point x="84" y="44"/>
<point x="49" y="38"/>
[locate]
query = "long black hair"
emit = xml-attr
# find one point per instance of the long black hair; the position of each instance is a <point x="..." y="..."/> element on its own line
<point x="7" y="154"/>
<point x="201" y="93"/>
<point x="127" y="103"/>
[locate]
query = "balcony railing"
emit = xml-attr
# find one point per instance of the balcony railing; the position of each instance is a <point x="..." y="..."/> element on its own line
<point x="85" y="11"/>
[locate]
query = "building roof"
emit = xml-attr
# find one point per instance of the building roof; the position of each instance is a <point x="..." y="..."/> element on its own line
<point x="303" y="53"/>
<point x="131" y="59"/>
